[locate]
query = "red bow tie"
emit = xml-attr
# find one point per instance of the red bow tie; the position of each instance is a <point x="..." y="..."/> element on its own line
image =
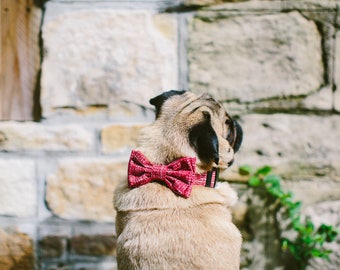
<point x="180" y="175"/>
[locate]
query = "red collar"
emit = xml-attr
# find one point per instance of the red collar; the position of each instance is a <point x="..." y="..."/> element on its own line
<point x="180" y="175"/>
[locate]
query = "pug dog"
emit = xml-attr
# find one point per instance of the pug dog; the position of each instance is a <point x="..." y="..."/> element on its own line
<point x="170" y="212"/>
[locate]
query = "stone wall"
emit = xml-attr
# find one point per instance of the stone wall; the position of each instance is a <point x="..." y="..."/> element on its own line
<point x="273" y="64"/>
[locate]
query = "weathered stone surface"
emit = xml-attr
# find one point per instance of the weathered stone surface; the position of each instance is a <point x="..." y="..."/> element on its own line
<point x="205" y="2"/>
<point x="127" y="111"/>
<point x="82" y="188"/>
<point x="254" y="57"/>
<point x="52" y="246"/>
<point x="94" y="245"/>
<point x="57" y="266"/>
<point x="30" y="136"/>
<point x="18" y="188"/>
<point x="95" y="266"/>
<point x="322" y="100"/>
<point x="131" y="58"/>
<point x="297" y="145"/>
<point x="313" y="190"/>
<point x="337" y="73"/>
<point x="261" y="247"/>
<point x="118" y="137"/>
<point x="16" y="251"/>
<point x="309" y="4"/>
<point x="327" y="213"/>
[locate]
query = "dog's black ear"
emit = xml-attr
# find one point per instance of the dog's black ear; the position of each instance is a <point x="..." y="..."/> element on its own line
<point x="203" y="139"/>
<point x="159" y="100"/>
<point x="235" y="136"/>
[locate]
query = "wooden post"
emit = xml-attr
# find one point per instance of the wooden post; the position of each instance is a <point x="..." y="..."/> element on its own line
<point x="20" y="58"/>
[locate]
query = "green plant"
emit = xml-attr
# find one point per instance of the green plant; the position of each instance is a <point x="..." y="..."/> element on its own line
<point x="309" y="241"/>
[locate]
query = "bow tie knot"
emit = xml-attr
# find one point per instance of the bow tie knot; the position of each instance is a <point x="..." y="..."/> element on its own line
<point x="158" y="172"/>
<point x="179" y="175"/>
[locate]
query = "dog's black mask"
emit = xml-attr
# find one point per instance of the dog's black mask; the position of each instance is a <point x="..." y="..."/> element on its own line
<point x="204" y="140"/>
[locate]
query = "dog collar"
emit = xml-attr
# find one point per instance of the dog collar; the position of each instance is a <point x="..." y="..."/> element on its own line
<point x="180" y="175"/>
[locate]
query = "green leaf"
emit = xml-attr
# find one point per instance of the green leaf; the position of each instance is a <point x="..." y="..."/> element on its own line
<point x="245" y="170"/>
<point x="309" y="225"/>
<point x="329" y="232"/>
<point x="272" y="179"/>
<point x="275" y="191"/>
<point x="263" y="170"/>
<point x="254" y="181"/>
<point x="320" y="253"/>
<point x="294" y="209"/>
<point x="331" y="235"/>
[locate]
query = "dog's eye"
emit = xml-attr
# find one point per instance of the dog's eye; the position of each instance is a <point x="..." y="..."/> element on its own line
<point x="230" y="131"/>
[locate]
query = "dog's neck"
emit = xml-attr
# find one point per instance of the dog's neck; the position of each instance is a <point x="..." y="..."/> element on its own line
<point x="180" y="175"/>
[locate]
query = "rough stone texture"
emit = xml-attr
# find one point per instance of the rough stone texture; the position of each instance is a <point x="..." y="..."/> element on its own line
<point x="16" y="251"/>
<point x="322" y="100"/>
<point x="95" y="266"/>
<point x="18" y="189"/>
<point x="297" y="145"/>
<point x="82" y="188"/>
<point x="118" y="137"/>
<point x="337" y="73"/>
<point x="254" y="57"/>
<point x="29" y="136"/>
<point x="94" y="245"/>
<point x="204" y="2"/>
<point x="261" y="247"/>
<point x="52" y="246"/>
<point x="132" y="56"/>
<point x="328" y="213"/>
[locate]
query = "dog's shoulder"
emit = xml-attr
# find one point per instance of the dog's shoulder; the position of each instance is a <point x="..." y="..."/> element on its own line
<point x="155" y="196"/>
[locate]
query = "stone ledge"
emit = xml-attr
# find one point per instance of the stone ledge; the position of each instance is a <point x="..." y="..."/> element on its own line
<point x="29" y="136"/>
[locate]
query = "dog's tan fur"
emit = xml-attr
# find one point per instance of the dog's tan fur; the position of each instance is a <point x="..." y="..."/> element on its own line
<point x="157" y="229"/>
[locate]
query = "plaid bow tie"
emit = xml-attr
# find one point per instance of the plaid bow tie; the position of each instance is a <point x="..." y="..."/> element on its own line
<point x="180" y="175"/>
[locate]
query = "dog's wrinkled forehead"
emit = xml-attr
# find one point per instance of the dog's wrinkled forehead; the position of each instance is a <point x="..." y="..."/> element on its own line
<point x="181" y="101"/>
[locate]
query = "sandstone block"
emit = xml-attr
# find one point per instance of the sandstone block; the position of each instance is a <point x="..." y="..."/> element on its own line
<point x="30" y="136"/>
<point x="337" y="73"/>
<point x="117" y="137"/>
<point x="297" y="145"/>
<point x="16" y="251"/>
<point x="101" y="56"/>
<point x="52" y="246"/>
<point x="204" y="2"/>
<point x="18" y="188"/>
<point x="82" y="188"/>
<point x="105" y="265"/>
<point x="94" y="245"/>
<point x="254" y="57"/>
<point x="312" y="191"/>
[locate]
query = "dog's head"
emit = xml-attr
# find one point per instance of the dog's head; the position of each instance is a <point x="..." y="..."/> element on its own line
<point x="188" y="124"/>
